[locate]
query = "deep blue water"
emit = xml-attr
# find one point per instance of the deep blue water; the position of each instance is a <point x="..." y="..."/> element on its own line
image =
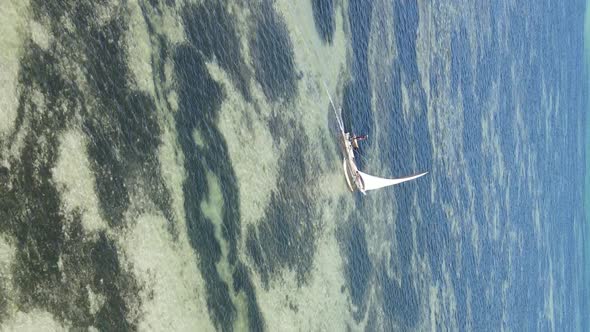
<point x="544" y="46"/>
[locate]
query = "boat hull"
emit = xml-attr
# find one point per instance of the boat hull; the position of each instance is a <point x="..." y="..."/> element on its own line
<point x="347" y="175"/>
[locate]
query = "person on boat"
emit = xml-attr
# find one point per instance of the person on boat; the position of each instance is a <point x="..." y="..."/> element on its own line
<point x="356" y="139"/>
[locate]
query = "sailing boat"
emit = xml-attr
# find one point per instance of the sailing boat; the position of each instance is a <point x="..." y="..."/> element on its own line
<point x="356" y="179"/>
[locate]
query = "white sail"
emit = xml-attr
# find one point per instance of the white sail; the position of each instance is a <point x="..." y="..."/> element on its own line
<point x="371" y="182"/>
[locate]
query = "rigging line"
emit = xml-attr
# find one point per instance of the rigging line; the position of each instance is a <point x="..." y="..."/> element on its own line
<point x="334" y="106"/>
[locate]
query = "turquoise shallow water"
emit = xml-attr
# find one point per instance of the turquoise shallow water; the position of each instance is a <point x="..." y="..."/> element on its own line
<point x="172" y="165"/>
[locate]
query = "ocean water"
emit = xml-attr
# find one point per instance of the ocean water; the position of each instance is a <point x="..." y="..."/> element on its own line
<point x="174" y="165"/>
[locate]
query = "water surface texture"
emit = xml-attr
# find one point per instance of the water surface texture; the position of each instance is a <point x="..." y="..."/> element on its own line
<point x="173" y="165"/>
